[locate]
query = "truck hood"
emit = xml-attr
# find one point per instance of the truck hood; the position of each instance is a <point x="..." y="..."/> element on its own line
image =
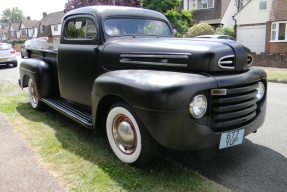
<point x="205" y="55"/>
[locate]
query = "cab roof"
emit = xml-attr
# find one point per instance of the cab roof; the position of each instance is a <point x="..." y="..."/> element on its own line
<point x="116" y="11"/>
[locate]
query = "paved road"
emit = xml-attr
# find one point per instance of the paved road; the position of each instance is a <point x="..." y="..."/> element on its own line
<point x="10" y="73"/>
<point x="260" y="163"/>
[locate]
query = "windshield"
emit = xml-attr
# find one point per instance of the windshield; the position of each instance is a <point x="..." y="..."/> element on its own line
<point x="138" y="26"/>
<point x="4" y="47"/>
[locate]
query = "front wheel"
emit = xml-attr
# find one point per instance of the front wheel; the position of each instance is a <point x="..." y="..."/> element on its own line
<point x="33" y="95"/>
<point x="128" y="139"/>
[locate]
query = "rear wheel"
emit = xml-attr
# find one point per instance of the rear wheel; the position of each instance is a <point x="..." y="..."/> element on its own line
<point x="33" y="95"/>
<point x="128" y="139"/>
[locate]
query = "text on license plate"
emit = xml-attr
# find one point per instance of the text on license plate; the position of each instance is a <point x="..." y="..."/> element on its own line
<point x="231" y="138"/>
<point x="3" y="59"/>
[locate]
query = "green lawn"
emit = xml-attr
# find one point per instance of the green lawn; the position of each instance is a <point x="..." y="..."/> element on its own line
<point x="83" y="161"/>
<point x="277" y="76"/>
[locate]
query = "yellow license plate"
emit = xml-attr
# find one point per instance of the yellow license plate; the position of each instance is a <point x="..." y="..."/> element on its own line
<point x="3" y="59"/>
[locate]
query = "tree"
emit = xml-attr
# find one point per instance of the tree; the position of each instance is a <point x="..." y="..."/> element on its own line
<point x="180" y="19"/>
<point x="160" y="5"/>
<point x="74" y="4"/>
<point x="225" y="31"/>
<point x="200" y="29"/>
<point x="11" y="16"/>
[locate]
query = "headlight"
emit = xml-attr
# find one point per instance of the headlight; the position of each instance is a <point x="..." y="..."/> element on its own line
<point x="198" y="106"/>
<point x="260" y="91"/>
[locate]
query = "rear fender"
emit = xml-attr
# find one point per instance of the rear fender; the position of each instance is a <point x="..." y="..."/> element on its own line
<point x="40" y="72"/>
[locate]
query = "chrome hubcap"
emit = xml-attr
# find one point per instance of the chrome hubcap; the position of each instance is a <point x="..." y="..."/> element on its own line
<point x="33" y="93"/>
<point x="124" y="134"/>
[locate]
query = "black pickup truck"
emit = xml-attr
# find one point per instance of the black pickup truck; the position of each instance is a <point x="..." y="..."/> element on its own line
<point x="121" y="69"/>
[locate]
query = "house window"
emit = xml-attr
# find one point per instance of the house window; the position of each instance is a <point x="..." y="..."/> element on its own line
<point x="12" y="33"/>
<point x="262" y="4"/>
<point x="23" y="31"/>
<point x="42" y="29"/>
<point x="205" y="4"/>
<point x="279" y="31"/>
<point x="56" y="28"/>
<point x="240" y="4"/>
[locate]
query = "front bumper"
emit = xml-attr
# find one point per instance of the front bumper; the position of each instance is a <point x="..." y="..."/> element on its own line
<point x="239" y="109"/>
<point x="178" y="131"/>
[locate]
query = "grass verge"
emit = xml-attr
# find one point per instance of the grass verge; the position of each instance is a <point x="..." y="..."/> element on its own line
<point x="85" y="162"/>
<point x="277" y="76"/>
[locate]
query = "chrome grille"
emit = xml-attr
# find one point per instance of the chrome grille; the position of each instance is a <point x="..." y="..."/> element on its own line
<point x="235" y="109"/>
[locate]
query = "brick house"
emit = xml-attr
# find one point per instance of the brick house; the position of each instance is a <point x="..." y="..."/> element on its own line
<point x="27" y="28"/>
<point x="217" y="13"/>
<point x="276" y="28"/>
<point x="266" y="30"/>
<point x="50" y="27"/>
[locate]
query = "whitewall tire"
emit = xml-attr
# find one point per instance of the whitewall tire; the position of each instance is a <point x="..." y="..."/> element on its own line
<point x="34" y="96"/>
<point x="128" y="139"/>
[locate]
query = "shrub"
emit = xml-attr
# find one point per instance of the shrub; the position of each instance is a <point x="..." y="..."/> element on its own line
<point x="14" y="41"/>
<point x="200" y="29"/>
<point x="225" y="31"/>
<point x="5" y="41"/>
<point x="22" y="40"/>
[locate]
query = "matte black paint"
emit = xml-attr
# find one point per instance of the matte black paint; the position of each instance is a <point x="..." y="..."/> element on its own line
<point x="86" y="72"/>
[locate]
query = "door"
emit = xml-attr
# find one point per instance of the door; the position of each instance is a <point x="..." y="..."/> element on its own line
<point x="77" y="58"/>
<point x="252" y="37"/>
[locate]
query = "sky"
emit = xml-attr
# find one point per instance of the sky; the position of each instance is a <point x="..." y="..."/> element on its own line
<point x="34" y="8"/>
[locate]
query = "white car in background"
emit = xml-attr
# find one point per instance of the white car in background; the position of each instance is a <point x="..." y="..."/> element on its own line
<point x="215" y="37"/>
<point x="36" y="43"/>
<point x="7" y="55"/>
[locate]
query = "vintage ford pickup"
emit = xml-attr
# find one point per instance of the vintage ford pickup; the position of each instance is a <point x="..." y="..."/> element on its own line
<point x="121" y="69"/>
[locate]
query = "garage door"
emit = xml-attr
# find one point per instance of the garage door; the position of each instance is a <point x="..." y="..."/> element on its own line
<point x="252" y="37"/>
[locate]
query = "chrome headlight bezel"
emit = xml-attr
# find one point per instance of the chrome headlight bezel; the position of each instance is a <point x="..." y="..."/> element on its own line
<point x="260" y="91"/>
<point x="198" y="106"/>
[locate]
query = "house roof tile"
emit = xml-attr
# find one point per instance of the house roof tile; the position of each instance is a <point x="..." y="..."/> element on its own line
<point x="15" y="26"/>
<point x="53" y="18"/>
<point x="29" y="23"/>
<point x="278" y="10"/>
<point x="5" y="30"/>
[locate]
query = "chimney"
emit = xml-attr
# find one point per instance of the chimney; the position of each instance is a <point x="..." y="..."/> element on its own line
<point x="44" y="15"/>
<point x="28" y="18"/>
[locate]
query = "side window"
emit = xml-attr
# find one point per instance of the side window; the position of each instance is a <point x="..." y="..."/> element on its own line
<point x="80" y="28"/>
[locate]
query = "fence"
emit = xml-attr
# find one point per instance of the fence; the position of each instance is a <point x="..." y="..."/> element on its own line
<point x="278" y="60"/>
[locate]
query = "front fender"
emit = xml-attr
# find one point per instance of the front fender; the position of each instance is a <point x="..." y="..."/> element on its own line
<point x="40" y="72"/>
<point x="153" y="90"/>
<point x="157" y="91"/>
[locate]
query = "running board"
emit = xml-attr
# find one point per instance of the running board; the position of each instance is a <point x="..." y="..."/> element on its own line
<point x="70" y="110"/>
